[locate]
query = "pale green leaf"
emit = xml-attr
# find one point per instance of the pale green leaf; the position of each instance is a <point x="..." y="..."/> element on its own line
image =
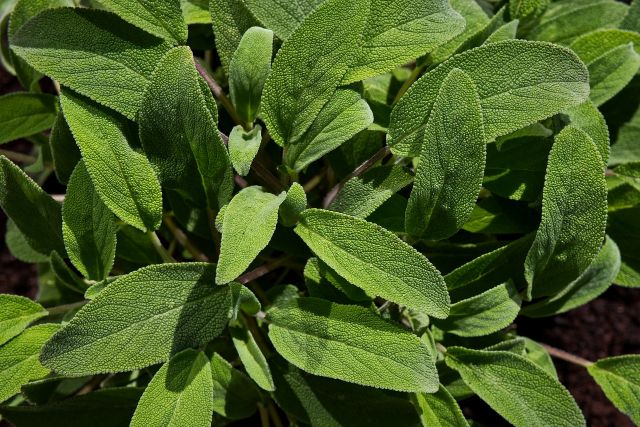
<point x="293" y="205"/>
<point x="141" y="319"/>
<point x="594" y="44"/>
<point x="282" y="17"/>
<point x="251" y="356"/>
<point x="540" y="356"/>
<point x="16" y="314"/>
<point x="243" y="148"/>
<point x="25" y="114"/>
<point x="196" y="11"/>
<point x="375" y="260"/>
<point x="64" y="275"/>
<point x="588" y="118"/>
<point x="243" y="299"/>
<point x="619" y="378"/>
<point x="234" y="395"/>
<point x="507" y="31"/>
<point x="527" y="8"/>
<point x="516" y="388"/>
<point x="64" y="151"/>
<point x="231" y="19"/>
<point x="123" y="178"/>
<point x="180" y="393"/>
<point x="611" y="72"/>
<point x="352" y="344"/>
<point x="449" y="174"/>
<point x="439" y="409"/>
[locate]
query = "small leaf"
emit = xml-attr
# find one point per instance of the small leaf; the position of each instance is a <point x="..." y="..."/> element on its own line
<point x="122" y="177"/>
<point x="243" y="299"/>
<point x="196" y="11"/>
<point x="19" y="359"/>
<point x="16" y="314"/>
<point x="293" y="205"/>
<point x="25" y="114"/>
<point x="249" y="222"/>
<point x="375" y="260"/>
<point x="183" y="309"/>
<point x="65" y="275"/>
<point x="539" y="355"/>
<point x="234" y="395"/>
<point x="248" y="70"/>
<point x="89" y="227"/>
<point x="180" y="393"/>
<point x="449" y="175"/>
<point x="523" y="393"/>
<point x="439" y="409"/>
<point x="619" y="378"/>
<point x="506" y="32"/>
<point x="243" y="148"/>
<point x="626" y="149"/>
<point x="64" y="150"/>
<point x="352" y="344"/>
<point x="495" y="215"/>
<point x="251" y="356"/>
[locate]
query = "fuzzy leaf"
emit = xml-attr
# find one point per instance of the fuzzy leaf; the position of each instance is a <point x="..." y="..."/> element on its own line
<point x="123" y="178"/>
<point x="293" y="205"/>
<point x="282" y="17"/>
<point x="231" y="19"/>
<point x="19" y="246"/>
<point x="251" y="356"/>
<point x="519" y="83"/>
<point x="16" y="314"/>
<point x="619" y="378"/>
<point x="449" y="175"/>
<point x="626" y="149"/>
<point x="196" y="11"/>
<point x="375" y="260"/>
<point x="527" y="8"/>
<point x="439" y="409"/>
<point x="517" y="389"/>
<point x="234" y="395"/>
<point x="182" y="308"/>
<point x="25" y="114"/>
<point x="632" y="18"/>
<point x="243" y="148"/>
<point x="64" y="150"/>
<point x="352" y="344"/>
<point x="588" y="118"/>
<point x="611" y="72"/>
<point x="180" y="393"/>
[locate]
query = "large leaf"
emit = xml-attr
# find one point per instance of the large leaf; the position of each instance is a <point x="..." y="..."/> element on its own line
<point x="248" y="224"/>
<point x="16" y="314"/>
<point x="611" y="72"/>
<point x="517" y="389"/>
<point x="439" y="409"/>
<point x="123" y="178"/>
<point x="92" y="46"/>
<point x="574" y="214"/>
<point x="449" y="175"/>
<point x="352" y="344"/>
<point x="375" y="260"/>
<point x="25" y="114"/>
<point x="619" y="378"/>
<point x="282" y="17"/>
<point x="588" y="118"/>
<point x="158" y="311"/>
<point x="231" y="19"/>
<point x="180" y="393"/>
<point x="89" y="227"/>
<point x="519" y="83"/>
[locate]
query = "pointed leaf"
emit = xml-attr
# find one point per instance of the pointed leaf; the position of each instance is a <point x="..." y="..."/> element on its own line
<point x="527" y="8"/>
<point x="25" y="114"/>
<point x="619" y="378"/>
<point x="16" y="314"/>
<point x="282" y="17"/>
<point x="611" y="72"/>
<point x="231" y="19"/>
<point x="243" y="148"/>
<point x="234" y="395"/>
<point x="19" y="246"/>
<point x="251" y="356"/>
<point x="632" y="18"/>
<point x="439" y="409"/>
<point x="588" y="118"/>
<point x="64" y="150"/>
<point x="293" y="205"/>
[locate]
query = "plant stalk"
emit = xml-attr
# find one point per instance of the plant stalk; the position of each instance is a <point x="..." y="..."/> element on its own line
<point x="567" y="357"/>
<point x="184" y="241"/>
<point x="157" y="245"/>
<point x="18" y="157"/>
<point x="217" y="91"/>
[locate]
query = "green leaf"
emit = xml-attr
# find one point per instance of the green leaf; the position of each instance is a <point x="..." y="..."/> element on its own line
<point x="123" y="178"/>
<point x="591" y="284"/>
<point x="527" y="8"/>
<point x="629" y="173"/>
<point x="19" y="246"/>
<point x="19" y="359"/>
<point x="16" y="314"/>
<point x="319" y="275"/>
<point x="251" y="356"/>
<point x="33" y="211"/>
<point x="483" y="314"/>
<point x="352" y="344"/>
<point x="363" y="194"/>
<point x="344" y="115"/>
<point x="92" y="46"/>
<point x="231" y="19"/>
<point x="594" y="44"/>
<point x="495" y="215"/>
<point x="507" y="31"/>
<point x="243" y="299"/>
<point x="632" y="18"/>
<point x="565" y="20"/>
<point x="611" y="72"/>
<point x="234" y="395"/>
<point x="624" y="229"/>
<point x="180" y="393"/>
<point x="179" y="132"/>
<point x="89" y="227"/>
<point x="439" y="409"/>
<point x="243" y="148"/>
<point x="293" y="205"/>
<point x="523" y="393"/>
<point x="626" y="149"/>
<point x="619" y="378"/>
<point x="449" y="175"/>
<point x="184" y="308"/>
<point x="248" y="70"/>
<point x="375" y="260"/>
<point x="249" y="222"/>
<point x="282" y="17"/>
<point x="160" y="18"/>
<point x="64" y="150"/>
<point x="588" y="118"/>
<point x="519" y="83"/>
<point x="539" y="355"/>
<point x="574" y="214"/>
<point x="25" y="114"/>
<point x="65" y="276"/>
<point x="196" y="11"/>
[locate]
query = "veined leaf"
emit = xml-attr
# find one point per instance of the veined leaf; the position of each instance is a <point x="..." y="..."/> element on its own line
<point x="527" y="8"/>
<point x="611" y="72"/>
<point x="234" y="395"/>
<point x="242" y="299"/>
<point x="19" y="359"/>
<point x="196" y="11"/>
<point x="449" y="175"/>
<point x="282" y="17"/>
<point x="318" y="274"/>
<point x="574" y="214"/>
<point x="619" y="378"/>
<point x="19" y="246"/>
<point x="160" y="18"/>
<point x="540" y="356"/>
<point x="179" y="132"/>
<point x="588" y="118"/>
<point x="180" y="393"/>
<point x="33" y="211"/>
<point x="293" y="205"/>
<point x="594" y="44"/>
<point x="25" y="114"/>
<point x="251" y="356"/>
<point x="375" y="260"/>
<point x="16" y="314"/>
<point x="92" y="46"/>
<point x="248" y="70"/>
<point x="439" y="409"/>
<point x="89" y="227"/>
<point x="507" y="31"/>
<point x="541" y="79"/>
<point x="123" y="178"/>
<point x="64" y="150"/>
<point x="243" y="148"/>
<point x="231" y="19"/>
<point x="517" y="389"/>
<point x="181" y="308"/>
<point x="249" y="222"/>
<point x="632" y="18"/>
<point x="626" y="149"/>
<point x="351" y="343"/>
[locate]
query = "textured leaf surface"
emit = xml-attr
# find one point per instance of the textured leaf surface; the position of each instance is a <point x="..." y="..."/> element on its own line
<point x="574" y="214"/>
<point x="64" y="150"/>
<point x="588" y="118"/>
<point x="123" y="178"/>
<point x="92" y="46"/>
<point x="611" y="72"/>
<point x="527" y="8"/>
<point x="439" y="409"/>
<point x="243" y="147"/>
<point x="619" y="378"/>
<point x="449" y="175"/>
<point x="180" y="393"/>
<point x="293" y="205"/>
<point x="318" y="275"/>
<point x="234" y="395"/>
<point x="25" y="114"/>
<point x="251" y="356"/>
<point x="499" y="216"/>
<point x="626" y="149"/>
<point x="539" y="78"/>
<point x="632" y="18"/>
<point x="158" y="310"/>
<point x="89" y="227"/>
<point x="282" y="17"/>
<point x="352" y="344"/>
<point x="19" y="246"/>
<point x="375" y="260"/>
<point x="16" y="314"/>
<point x="249" y="222"/>
<point x="231" y="19"/>
<point x="517" y="389"/>
<point x="196" y="11"/>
